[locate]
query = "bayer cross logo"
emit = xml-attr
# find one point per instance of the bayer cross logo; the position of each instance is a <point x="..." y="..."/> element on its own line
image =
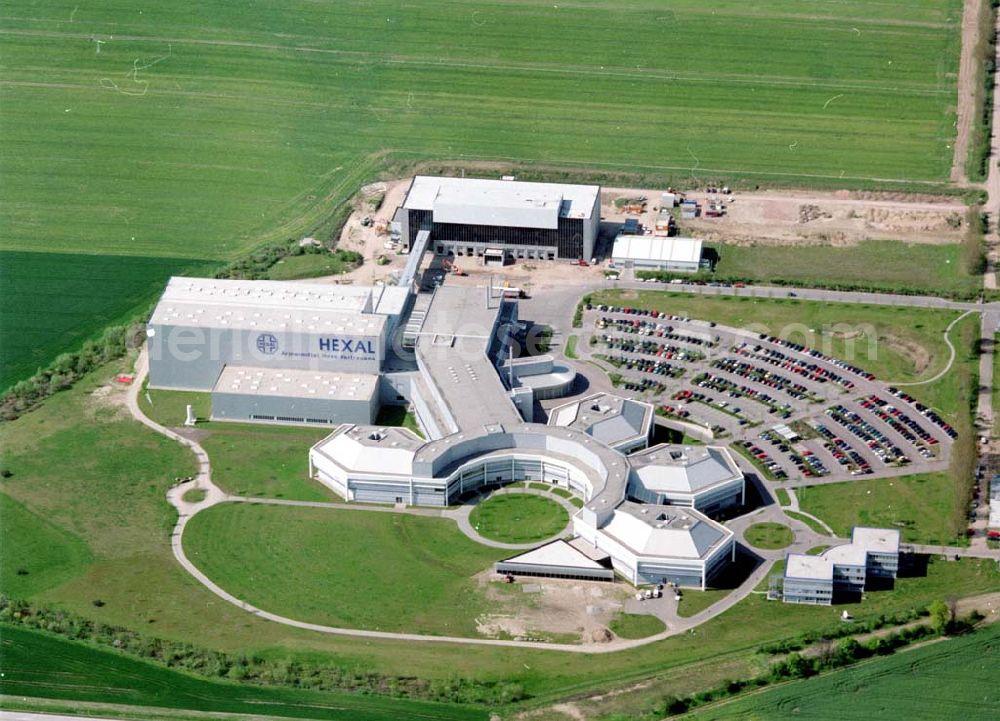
<point x="267" y="344"/>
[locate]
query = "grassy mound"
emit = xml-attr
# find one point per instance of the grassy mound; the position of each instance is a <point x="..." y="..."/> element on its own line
<point x="518" y="518"/>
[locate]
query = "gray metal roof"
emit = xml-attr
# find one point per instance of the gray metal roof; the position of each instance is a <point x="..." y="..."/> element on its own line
<point x="452" y="345"/>
<point x="609" y="418"/>
<point x="272" y="305"/>
<point x="296" y="383"/>
<point x="666" y="531"/>
<point x="684" y="469"/>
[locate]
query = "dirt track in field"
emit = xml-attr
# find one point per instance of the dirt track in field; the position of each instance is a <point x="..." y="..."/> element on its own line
<point x="784" y="217"/>
<point x="966" y="91"/>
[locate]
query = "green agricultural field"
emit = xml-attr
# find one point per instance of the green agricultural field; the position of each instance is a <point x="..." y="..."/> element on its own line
<point x="896" y="343"/>
<point x="51" y="302"/>
<point x="181" y="134"/>
<point x="37" y="555"/>
<point x="962" y="672"/>
<point x="414" y="573"/>
<point x="769" y="535"/>
<point x="921" y="506"/>
<point x="518" y="518"/>
<point x="877" y="264"/>
<point x="34" y="664"/>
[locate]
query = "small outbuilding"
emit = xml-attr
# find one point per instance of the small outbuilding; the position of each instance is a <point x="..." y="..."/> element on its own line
<point x="651" y="252"/>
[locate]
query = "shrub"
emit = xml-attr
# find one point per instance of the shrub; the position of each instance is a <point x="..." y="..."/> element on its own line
<point x="255" y="670"/>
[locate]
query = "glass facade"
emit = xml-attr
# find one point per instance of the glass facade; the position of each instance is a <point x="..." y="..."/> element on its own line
<point x="566" y="240"/>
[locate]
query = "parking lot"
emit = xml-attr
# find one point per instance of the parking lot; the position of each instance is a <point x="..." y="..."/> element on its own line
<point x="795" y="414"/>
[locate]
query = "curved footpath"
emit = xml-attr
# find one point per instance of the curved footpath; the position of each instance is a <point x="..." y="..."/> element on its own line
<point x="948" y="365"/>
<point x="215" y="495"/>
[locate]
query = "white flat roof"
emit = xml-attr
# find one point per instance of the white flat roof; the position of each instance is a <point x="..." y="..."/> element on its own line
<point x="371" y="449"/>
<point x="848" y="554"/>
<point x="657" y="248"/>
<point x="389" y="299"/>
<point x="266" y="319"/>
<point x="296" y="383"/>
<point x="269" y="293"/>
<point x="799" y="565"/>
<point x="876" y="539"/>
<point x="477" y="201"/>
<point x="266" y="305"/>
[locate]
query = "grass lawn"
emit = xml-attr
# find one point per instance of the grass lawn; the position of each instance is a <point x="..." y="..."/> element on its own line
<point x="694" y="601"/>
<point x="37" y="554"/>
<point x="996" y="384"/>
<point x="265" y="461"/>
<point x="518" y="518"/>
<point x="83" y="465"/>
<point x="876" y="264"/>
<point x="414" y="574"/>
<point x="769" y="535"/>
<point x="37" y="664"/>
<point x="398" y="416"/>
<point x="195" y="495"/>
<point x="248" y="459"/>
<point x="632" y="625"/>
<point x="808" y="521"/>
<point x="309" y="265"/>
<point x="169" y="407"/>
<point x="51" y="303"/>
<point x="782" y="495"/>
<point x="570" y="349"/>
<point x="816" y="550"/>
<point x="962" y="671"/>
<point x="921" y="506"/>
<point x="114" y="502"/>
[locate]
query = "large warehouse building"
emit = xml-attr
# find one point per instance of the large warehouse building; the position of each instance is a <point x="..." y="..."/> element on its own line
<point x="476" y="217"/>
<point x="275" y="352"/>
